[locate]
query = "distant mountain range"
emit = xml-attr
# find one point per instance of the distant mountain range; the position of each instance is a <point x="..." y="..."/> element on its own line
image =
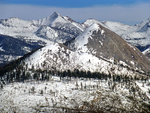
<point x="54" y="28"/>
<point x="92" y="45"/>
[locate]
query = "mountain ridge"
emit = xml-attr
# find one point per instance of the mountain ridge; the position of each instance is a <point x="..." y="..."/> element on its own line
<point x="38" y="33"/>
<point x="62" y="29"/>
<point x="90" y="52"/>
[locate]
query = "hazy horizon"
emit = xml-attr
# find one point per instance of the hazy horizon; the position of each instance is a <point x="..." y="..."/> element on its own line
<point x="128" y="12"/>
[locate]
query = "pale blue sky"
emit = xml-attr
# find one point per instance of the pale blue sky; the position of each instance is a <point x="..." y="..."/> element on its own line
<point x="73" y="3"/>
<point x="126" y="11"/>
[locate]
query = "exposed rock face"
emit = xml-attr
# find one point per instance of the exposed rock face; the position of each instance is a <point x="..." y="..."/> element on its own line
<point x="106" y="44"/>
<point x="111" y="45"/>
<point x="137" y="35"/>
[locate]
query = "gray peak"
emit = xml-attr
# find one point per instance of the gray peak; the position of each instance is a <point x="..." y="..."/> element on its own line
<point x="55" y="15"/>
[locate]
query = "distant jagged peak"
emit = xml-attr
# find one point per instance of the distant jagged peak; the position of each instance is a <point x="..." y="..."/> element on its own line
<point x="55" y="15"/>
<point x="58" y="18"/>
<point x="58" y="21"/>
<point x="145" y="21"/>
<point x="144" y="25"/>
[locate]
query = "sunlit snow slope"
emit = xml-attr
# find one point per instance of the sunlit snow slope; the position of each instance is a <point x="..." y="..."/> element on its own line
<point x="96" y="49"/>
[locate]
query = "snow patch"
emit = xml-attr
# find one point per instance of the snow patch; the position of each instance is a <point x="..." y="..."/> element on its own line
<point x="1" y="49"/>
<point x="82" y="39"/>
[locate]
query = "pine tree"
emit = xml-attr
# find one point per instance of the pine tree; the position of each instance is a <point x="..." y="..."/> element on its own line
<point x="77" y="85"/>
<point x="81" y="86"/>
<point x="41" y="92"/>
<point x="33" y="89"/>
<point x="2" y="86"/>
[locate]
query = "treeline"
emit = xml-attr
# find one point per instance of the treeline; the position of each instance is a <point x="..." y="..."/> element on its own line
<point x="22" y="73"/>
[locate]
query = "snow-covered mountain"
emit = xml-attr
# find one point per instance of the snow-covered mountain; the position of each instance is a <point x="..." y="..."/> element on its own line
<point x="55" y="28"/>
<point x="97" y="49"/>
<point x="51" y="28"/>
<point x="104" y="43"/>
